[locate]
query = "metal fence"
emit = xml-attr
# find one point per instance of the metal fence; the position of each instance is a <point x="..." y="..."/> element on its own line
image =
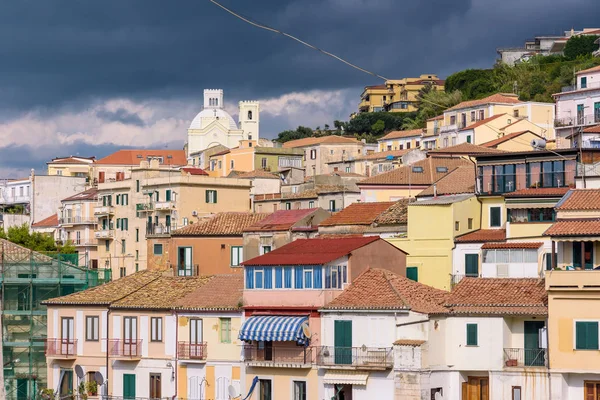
<point x="355" y="356"/>
<point x="514" y="357"/>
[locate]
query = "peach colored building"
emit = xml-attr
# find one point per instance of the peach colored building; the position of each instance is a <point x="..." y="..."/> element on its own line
<point x="77" y="224"/>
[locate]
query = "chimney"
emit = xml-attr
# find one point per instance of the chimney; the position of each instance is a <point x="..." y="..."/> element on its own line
<point x="434" y="190"/>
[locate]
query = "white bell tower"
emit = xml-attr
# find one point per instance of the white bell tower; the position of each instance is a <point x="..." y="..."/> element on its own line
<point x="213" y="98"/>
<point x="250" y="119"/>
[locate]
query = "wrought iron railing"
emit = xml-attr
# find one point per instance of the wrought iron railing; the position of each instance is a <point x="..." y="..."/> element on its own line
<point x="514" y="357"/>
<point x="367" y="357"/>
<point x="63" y="348"/>
<point x="191" y="351"/>
<point x="127" y="348"/>
<point x="160" y="229"/>
<point x="279" y="355"/>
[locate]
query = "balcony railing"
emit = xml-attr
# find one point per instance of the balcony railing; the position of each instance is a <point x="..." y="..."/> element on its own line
<point x="77" y="220"/>
<point x="104" y="234"/>
<point x="123" y="348"/>
<point x="61" y="348"/>
<point x="573" y="88"/>
<point x="449" y="128"/>
<point x="164" y="205"/>
<point x="359" y="357"/>
<point x="279" y="356"/>
<point x="85" y="242"/>
<point x="191" y="351"/>
<point x="159" y="229"/>
<point x="524" y="357"/>
<point x="104" y="210"/>
<point x="582" y="120"/>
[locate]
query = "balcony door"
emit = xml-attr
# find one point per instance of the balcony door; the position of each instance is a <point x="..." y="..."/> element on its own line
<point x="588" y="255"/>
<point x="184" y="261"/>
<point x="130" y="336"/>
<point x="66" y="336"/>
<point x="472" y="265"/>
<point x="196" y="338"/>
<point x="343" y="342"/>
<point x="534" y="356"/>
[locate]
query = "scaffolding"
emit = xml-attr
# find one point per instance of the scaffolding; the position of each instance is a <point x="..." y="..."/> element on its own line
<point x="27" y="278"/>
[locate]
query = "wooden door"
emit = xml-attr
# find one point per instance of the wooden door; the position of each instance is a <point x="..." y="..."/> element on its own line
<point x="478" y="388"/>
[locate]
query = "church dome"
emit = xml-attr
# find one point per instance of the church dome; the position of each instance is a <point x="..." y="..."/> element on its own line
<point x="208" y="115"/>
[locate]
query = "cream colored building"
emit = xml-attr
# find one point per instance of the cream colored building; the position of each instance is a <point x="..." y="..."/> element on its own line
<point x="152" y="203"/>
<point x="77" y="224"/>
<point x="71" y="166"/>
<point x="397" y="95"/>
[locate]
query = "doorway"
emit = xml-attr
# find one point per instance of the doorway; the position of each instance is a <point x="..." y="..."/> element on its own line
<point x="343" y="342"/>
<point x="534" y="356"/>
<point x="476" y="388"/>
<point x="588" y="255"/>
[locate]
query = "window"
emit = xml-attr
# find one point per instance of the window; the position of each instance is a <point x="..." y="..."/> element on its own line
<point x="225" y="330"/>
<point x="331" y="205"/>
<point x="417" y="143"/>
<point x="122" y="272"/>
<point x="441" y="169"/>
<point x="472" y="116"/>
<point x="137" y="255"/>
<point x="232" y="164"/>
<point x="471" y="334"/>
<point x="586" y="335"/>
<point x="266" y="249"/>
<point x="288" y="206"/>
<point x="91" y="328"/>
<point x="400" y="146"/>
<point x="583" y="82"/>
<point x="156" y="329"/>
<point x="335" y="276"/>
<point x="158" y="249"/>
<point x="263" y="163"/>
<point x="481" y="114"/>
<point x="211" y="196"/>
<point x="412" y="273"/>
<point x="389" y="148"/>
<point x="472" y="265"/>
<point x="137" y="267"/>
<point x="155" y="386"/>
<point x="470" y="223"/>
<point x="219" y="165"/>
<point x="313" y="154"/>
<point x="250" y="115"/>
<point x="453" y="120"/>
<point x="311" y="204"/>
<point x="516" y="113"/>
<point x="592" y="389"/>
<point x="434" y="391"/>
<point x="122" y="246"/>
<point x="308" y="278"/>
<point x="237" y="255"/>
<point x="456" y="226"/>
<point x="495" y="217"/>
<point x="417" y="169"/>
<point x="107" y="245"/>
<point x="265" y="389"/>
<point x="299" y="390"/>
<point x="408" y="145"/>
<point x="468" y="138"/>
<point x="516" y="393"/>
<point x="347" y="169"/>
<point x="137" y="186"/>
<point x="454" y="141"/>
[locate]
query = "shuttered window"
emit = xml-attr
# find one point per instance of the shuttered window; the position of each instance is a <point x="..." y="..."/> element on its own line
<point x="412" y="273"/>
<point x="495" y="220"/>
<point x="586" y="335"/>
<point x="471" y="334"/>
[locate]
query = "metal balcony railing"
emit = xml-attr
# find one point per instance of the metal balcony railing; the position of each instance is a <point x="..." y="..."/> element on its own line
<point x="164" y="205"/>
<point x="160" y="229"/>
<point x="77" y="220"/>
<point x="360" y="357"/>
<point x="104" y="210"/>
<point x="581" y="120"/>
<point x="278" y="355"/>
<point x="449" y="128"/>
<point x="125" y="348"/>
<point x="61" y="348"/>
<point x="104" y="234"/>
<point x="191" y="351"/>
<point x="587" y="86"/>
<point x="524" y="357"/>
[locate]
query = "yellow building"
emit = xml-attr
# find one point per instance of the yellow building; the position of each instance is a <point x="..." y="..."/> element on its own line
<point x="149" y="335"/>
<point x="396" y="95"/>
<point x="401" y="140"/>
<point x="72" y="166"/>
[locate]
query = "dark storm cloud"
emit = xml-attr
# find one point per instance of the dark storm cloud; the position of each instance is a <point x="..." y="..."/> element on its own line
<point x="120" y="115"/>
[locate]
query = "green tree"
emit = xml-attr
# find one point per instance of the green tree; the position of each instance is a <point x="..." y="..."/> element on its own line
<point x="300" y="133"/>
<point x="378" y="127"/>
<point x="580" y="46"/>
<point x="363" y="122"/>
<point x="36" y="241"/>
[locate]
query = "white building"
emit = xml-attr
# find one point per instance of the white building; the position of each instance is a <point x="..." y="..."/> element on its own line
<point x="214" y="126"/>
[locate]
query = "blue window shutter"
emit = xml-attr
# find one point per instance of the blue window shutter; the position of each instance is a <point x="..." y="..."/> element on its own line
<point x="288" y="277"/>
<point x="318" y="277"/>
<point x="278" y="277"/>
<point x="298" y="277"/>
<point x="249" y="277"/>
<point x="268" y="277"/>
<point x="327" y="277"/>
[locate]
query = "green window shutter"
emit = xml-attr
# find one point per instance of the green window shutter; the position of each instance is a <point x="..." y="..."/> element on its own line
<point x="118" y="223"/>
<point x="412" y="273"/>
<point x="206" y="195"/>
<point x="126" y="224"/>
<point x="592" y="335"/>
<point x="137" y="186"/>
<point x="495" y="216"/>
<point x="472" y="264"/>
<point x="471" y="334"/>
<point x="118" y="197"/>
<point x="168" y="195"/>
<point x="586" y="335"/>
<point x="215" y="196"/>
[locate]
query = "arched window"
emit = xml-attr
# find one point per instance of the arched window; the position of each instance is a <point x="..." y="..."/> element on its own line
<point x="249" y="114"/>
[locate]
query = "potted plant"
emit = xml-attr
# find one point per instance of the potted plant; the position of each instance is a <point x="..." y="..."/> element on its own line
<point x="92" y="388"/>
<point x="47" y="394"/>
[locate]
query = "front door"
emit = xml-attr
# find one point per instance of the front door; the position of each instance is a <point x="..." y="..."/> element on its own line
<point x="588" y="255"/>
<point x="22" y="391"/>
<point x="128" y="386"/>
<point x="472" y="265"/>
<point x="478" y="388"/>
<point x="534" y="356"/>
<point x="343" y="342"/>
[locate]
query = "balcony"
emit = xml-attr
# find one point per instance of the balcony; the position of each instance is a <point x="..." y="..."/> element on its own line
<point x="449" y="128"/>
<point x="580" y="120"/>
<point x="85" y="243"/>
<point x="160" y="230"/>
<point x="164" y="205"/>
<point x="61" y="348"/>
<point x="524" y="358"/>
<point x="192" y="351"/>
<point x="104" y="210"/>
<point x="104" y="234"/>
<point x="77" y="221"/>
<point x="574" y="88"/>
<point x="355" y="357"/>
<point x="144" y="207"/>
<point x="279" y="357"/>
<point x="125" y="349"/>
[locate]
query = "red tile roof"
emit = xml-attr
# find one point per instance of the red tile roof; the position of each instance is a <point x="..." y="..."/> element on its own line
<point x="513" y="245"/>
<point x="90" y="194"/>
<point x="194" y="171"/>
<point x="459" y="180"/>
<point x="402" y="134"/>
<point x="574" y="227"/>
<point x="592" y="129"/>
<point x="396" y="214"/>
<point x="133" y="157"/>
<point x="482" y="122"/>
<point x="379" y="289"/>
<point x="538" y="192"/>
<point x="220" y="293"/>
<point x="384" y="86"/>
<point x="257" y="173"/>
<point x="384" y="154"/>
<point x="73" y="160"/>
<point x="358" y="214"/>
<point x="498" y="296"/>
<point x="409" y="342"/>
<point x="506" y="138"/>
<point x="222" y="224"/>
<point x="433" y="168"/>
<point x="593" y="69"/>
<point x="49" y="222"/>
<point x="281" y="220"/>
<point x="498" y="98"/>
<point x="580" y="200"/>
<point x="312" y="141"/>
<point x="312" y="251"/>
<point x="465" y="149"/>
<point x="482" y="235"/>
<point x="436" y="118"/>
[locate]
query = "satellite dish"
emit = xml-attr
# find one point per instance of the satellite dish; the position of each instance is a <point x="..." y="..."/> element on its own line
<point x="306" y="329"/>
<point x="99" y="378"/>
<point x="232" y="392"/>
<point x="79" y="371"/>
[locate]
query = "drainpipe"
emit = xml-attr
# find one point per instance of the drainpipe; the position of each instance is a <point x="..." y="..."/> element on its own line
<point x="176" y="355"/>
<point x="107" y="348"/>
<point x="548" y="356"/>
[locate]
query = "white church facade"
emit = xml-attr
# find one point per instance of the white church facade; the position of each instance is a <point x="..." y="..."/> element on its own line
<point x="214" y="126"/>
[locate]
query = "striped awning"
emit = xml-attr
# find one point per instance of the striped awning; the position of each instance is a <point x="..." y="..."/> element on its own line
<point x="345" y="378"/>
<point x="274" y="328"/>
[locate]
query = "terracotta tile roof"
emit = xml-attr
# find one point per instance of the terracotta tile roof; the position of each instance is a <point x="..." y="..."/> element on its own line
<point x="358" y="214"/>
<point x="580" y="200"/>
<point x="574" y="227"/>
<point x="378" y="289"/>
<point x="498" y="296"/>
<point x="482" y="235"/>
<point x="134" y="157"/>
<point x="346" y="174"/>
<point x="538" y="192"/>
<point x="384" y="154"/>
<point x="432" y="170"/>
<point x="220" y="153"/>
<point x="498" y="98"/>
<point x="257" y="173"/>
<point x="513" y="245"/>
<point x="396" y="214"/>
<point x="592" y="129"/>
<point x="220" y="293"/>
<point x="312" y="141"/>
<point x="320" y="189"/>
<point x="194" y="171"/>
<point x="312" y="251"/>
<point x="376" y="87"/>
<point x="465" y="149"/>
<point x="585" y="71"/>
<point x="408" y="342"/>
<point x="73" y="160"/>
<point x="506" y="138"/>
<point x="48" y="222"/>
<point x="90" y="194"/>
<point x="402" y="134"/>
<point x="436" y="118"/>
<point x="109" y="292"/>
<point x="459" y="180"/>
<point x="222" y="224"/>
<point x="482" y="122"/>
<point x="305" y="194"/>
<point x="281" y="220"/>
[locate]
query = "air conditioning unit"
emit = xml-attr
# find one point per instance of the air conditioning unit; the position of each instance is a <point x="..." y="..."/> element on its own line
<point x="194" y="213"/>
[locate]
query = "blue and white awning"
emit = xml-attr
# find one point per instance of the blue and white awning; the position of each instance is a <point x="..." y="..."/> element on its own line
<point x="272" y="328"/>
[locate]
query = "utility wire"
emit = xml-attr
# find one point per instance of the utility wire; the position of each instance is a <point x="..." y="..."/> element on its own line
<point x="268" y="28"/>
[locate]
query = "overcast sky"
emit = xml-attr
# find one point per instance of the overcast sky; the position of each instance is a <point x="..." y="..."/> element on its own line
<point x="88" y="77"/>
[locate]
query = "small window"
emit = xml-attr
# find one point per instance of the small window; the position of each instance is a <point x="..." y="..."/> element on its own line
<point x="441" y="169"/>
<point x="481" y="114"/>
<point x="586" y="335"/>
<point x="156" y="329"/>
<point x="495" y="217"/>
<point x="434" y="391"/>
<point x="232" y="164"/>
<point x="417" y="169"/>
<point x="122" y="272"/>
<point x="266" y="249"/>
<point x="249" y="115"/>
<point x="137" y="255"/>
<point x="313" y="154"/>
<point x="472" y="116"/>
<point x="408" y="145"/>
<point x="107" y="245"/>
<point x="288" y="206"/>
<point x="263" y="163"/>
<point x="400" y="147"/>
<point x="91" y="328"/>
<point x="265" y="389"/>
<point x="225" y="330"/>
<point x="211" y="196"/>
<point x="470" y="223"/>
<point x="299" y="390"/>
<point x="516" y="113"/>
<point x="389" y="148"/>
<point x="412" y="273"/>
<point x="155" y="386"/>
<point x="158" y="249"/>
<point x="468" y="138"/>
<point x="311" y="204"/>
<point x="331" y="205"/>
<point x="471" y="334"/>
<point x="516" y="393"/>
<point x="308" y="278"/>
<point x="123" y="247"/>
<point x="347" y="169"/>
<point x="237" y="255"/>
<point x="331" y="152"/>
<point x="456" y="226"/>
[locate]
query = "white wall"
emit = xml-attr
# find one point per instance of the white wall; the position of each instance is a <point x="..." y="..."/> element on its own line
<point x="534" y="385"/>
<point x="458" y="256"/>
<point x="142" y="371"/>
<point x="515" y="270"/>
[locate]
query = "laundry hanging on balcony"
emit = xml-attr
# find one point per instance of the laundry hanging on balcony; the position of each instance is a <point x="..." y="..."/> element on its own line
<point x="273" y="328"/>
